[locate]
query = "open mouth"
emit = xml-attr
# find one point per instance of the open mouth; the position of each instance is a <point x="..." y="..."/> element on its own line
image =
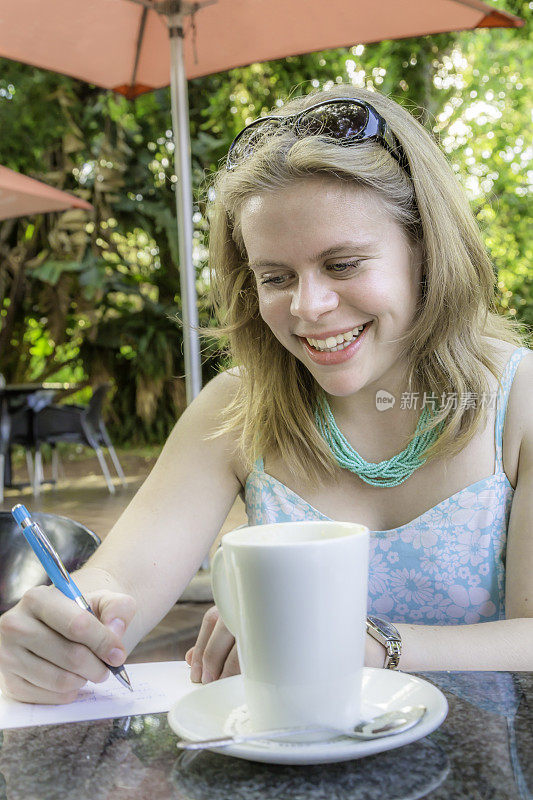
<point x="335" y="343"/>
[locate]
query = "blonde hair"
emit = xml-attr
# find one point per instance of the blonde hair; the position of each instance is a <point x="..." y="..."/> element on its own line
<point x="444" y="349"/>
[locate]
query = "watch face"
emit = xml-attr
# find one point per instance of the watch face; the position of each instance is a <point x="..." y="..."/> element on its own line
<point x="386" y="628"/>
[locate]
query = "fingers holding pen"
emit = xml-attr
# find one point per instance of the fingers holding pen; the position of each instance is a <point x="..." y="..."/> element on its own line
<point x="25" y="692"/>
<point x="74" y="626"/>
<point x="43" y="677"/>
<point x="114" y="610"/>
<point x="50" y="647"/>
<point x="40" y="680"/>
<point x="31" y="649"/>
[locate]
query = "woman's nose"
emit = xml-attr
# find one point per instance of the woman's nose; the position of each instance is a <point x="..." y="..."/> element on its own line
<point x="312" y="298"/>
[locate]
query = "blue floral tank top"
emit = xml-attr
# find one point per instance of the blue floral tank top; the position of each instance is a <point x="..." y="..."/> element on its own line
<point x="445" y="567"/>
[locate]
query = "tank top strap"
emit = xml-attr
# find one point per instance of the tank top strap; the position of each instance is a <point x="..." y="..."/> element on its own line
<point x="502" y="399"/>
<point x="259" y="465"/>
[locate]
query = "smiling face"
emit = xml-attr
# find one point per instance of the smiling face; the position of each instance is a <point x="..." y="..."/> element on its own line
<point x="327" y="259"/>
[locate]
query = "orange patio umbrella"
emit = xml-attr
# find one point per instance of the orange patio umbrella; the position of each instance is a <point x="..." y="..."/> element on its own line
<point x="21" y="196"/>
<point x="124" y="45"/>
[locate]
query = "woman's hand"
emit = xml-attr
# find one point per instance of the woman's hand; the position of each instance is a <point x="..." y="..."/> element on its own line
<point x="50" y="647"/>
<point x="215" y="653"/>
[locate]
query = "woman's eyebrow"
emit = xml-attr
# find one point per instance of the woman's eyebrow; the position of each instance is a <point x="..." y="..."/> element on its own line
<point x="331" y="251"/>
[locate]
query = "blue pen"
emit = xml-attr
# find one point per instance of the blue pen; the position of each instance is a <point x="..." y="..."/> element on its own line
<point x="55" y="569"/>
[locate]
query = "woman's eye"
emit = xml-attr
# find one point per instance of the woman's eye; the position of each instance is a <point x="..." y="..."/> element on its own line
<point x="346" y="268"/>
<point x="349" y="266"/>
<point x="275" y="280"/>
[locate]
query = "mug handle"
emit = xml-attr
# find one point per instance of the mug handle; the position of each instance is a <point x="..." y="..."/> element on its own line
<point x="221" y="592"/>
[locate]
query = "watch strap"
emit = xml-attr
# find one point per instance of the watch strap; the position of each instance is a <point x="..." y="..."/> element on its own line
<point x="392" y="656"/>
<point x="388" y="635"/>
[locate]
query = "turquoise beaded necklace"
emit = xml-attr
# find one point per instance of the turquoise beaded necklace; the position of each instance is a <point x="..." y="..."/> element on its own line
<point x="392" y="472"/>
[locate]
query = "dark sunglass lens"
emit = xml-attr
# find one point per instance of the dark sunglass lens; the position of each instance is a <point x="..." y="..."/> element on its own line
<point x="313" y="124"/>
<point x="338" y="120"/>
<point x="250" y="139"/>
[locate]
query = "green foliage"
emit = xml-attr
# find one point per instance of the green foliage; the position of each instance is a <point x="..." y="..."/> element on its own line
<point x="89" y="297"/>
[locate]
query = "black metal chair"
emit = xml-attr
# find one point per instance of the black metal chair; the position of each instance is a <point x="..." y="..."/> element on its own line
<point x="20" y="569"/>
<point x="80" y="425"/>
<point x="16" y="427"/>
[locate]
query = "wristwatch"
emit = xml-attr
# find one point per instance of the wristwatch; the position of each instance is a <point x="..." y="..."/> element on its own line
<point x="386" y="634"/>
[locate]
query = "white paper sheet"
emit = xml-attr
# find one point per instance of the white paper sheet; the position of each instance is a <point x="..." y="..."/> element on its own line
<point x="156" y="687"/>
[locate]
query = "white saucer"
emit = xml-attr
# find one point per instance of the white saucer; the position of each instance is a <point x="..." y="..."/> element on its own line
<point x="218" y="708"/>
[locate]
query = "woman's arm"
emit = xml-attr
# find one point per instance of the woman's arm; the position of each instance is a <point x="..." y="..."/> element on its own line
<point x="49" y="647"/>
<point x="162" y="537"/>
<point x="504" y="645"/>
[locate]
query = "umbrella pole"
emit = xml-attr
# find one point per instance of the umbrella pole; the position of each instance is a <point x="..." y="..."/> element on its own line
<point x="182" y="166"/>
<point x="182" y="161"/>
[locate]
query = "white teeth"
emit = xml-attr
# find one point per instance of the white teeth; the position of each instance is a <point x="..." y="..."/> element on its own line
<point x="334" y="343"/>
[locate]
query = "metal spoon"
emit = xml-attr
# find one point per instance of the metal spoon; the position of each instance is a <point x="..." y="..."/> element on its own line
<point x="388" y="724"/>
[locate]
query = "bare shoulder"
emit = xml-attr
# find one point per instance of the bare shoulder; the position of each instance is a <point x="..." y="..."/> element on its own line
<point x="203" y="423"/>
<point x="522" y="377"/>
<point x="516" y="415"/>
<point x="503" y="350"/>
<point x="519" y="417"/>
<point x="214" y="398"/>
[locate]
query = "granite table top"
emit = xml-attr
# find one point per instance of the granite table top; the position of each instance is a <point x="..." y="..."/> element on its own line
<point x="483" y="751"/>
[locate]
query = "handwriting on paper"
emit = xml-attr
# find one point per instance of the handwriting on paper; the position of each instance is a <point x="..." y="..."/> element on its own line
<point x="156" y="687"/>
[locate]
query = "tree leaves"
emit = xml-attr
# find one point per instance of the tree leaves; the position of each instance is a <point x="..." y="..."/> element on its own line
<point x="51" y="271"/>
<point x="100" y="293"/>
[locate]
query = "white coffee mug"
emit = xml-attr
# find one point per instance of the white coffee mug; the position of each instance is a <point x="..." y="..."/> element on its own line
<point x="294" y="595"/>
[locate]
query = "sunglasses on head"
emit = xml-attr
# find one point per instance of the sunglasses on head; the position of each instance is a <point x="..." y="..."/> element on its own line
<point x="347" y="120"/>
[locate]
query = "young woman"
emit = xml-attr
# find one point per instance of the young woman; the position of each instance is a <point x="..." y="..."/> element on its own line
<point x="373" y="382"/>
